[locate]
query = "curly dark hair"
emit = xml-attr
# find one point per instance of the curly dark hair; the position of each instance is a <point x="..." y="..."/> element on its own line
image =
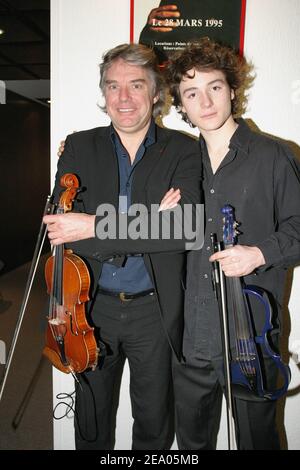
<point x="206" y="54"/>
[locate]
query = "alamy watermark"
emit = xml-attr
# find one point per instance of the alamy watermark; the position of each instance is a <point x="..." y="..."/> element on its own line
<point x="2" y="352"/>
<point x="2" y="92"/>
<point x="180" y="223"/>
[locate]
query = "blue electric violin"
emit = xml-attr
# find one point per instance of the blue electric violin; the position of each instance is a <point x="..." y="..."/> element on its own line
<point x="247" y="370"/>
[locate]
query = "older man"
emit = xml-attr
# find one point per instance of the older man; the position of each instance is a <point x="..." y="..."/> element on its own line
<point x="137" y="299"/>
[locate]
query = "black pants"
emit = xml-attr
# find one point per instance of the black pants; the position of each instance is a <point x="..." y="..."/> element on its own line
<point x="198" y="389"/>
<point x="131" y="330"/>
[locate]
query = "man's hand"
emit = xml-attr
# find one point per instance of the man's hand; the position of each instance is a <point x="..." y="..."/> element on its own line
<point x="61" y="148"/>
<point x="161" y="19"/>
<point x="170" y="199"/>
<point x="239" y="260"/>
<point x="70" y="227"/>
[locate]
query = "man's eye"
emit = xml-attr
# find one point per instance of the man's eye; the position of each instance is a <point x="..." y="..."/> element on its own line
<point x="137" y="86"/>
<point x="191" y="95"/>
<point x="112" y="87"/>
<point x="216" y="88"/>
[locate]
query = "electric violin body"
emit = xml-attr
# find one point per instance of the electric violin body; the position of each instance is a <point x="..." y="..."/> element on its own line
<point x="248" y="374"/>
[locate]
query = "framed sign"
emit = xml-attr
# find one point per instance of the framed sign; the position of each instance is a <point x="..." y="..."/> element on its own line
<point x="167" y="25"/>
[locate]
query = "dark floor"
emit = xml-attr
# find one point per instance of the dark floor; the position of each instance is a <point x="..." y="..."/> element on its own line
<point x="26" y="406"/>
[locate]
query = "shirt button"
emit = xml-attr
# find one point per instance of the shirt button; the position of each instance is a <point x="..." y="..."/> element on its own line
<point x="205" y="276"/>
<point x="210" y="219"/>
<point x="208" y="248"/>
<point x="212" y="191"/>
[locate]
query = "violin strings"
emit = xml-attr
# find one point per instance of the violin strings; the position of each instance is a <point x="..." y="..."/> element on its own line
<point x="56" y="277"/>
<point x="242" y="328"/>
<point x="245" y="334"/>
<point x="251" y="344"/>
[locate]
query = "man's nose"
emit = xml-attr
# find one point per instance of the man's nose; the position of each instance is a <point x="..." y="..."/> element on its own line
<point x="205" y="100"/>
<point x="124" y="94"/>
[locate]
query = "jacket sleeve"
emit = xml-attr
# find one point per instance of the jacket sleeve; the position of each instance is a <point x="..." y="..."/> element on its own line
<point x="169" y="227"/>
<point x="282" y="247"/>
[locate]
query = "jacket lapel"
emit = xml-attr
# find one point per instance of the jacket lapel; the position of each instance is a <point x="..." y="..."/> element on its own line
<point x="107" y="166"/>
<point x="149" y="161"/>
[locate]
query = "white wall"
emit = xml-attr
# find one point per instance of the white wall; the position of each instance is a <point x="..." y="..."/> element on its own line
<point x="272" y="42"/>
<point x="81" y="31"/>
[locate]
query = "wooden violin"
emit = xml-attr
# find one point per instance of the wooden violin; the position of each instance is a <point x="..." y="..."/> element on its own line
<point x="70" y="341"/>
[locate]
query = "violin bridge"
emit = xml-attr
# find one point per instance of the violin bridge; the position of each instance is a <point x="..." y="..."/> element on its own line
<point x="56" y="321"/>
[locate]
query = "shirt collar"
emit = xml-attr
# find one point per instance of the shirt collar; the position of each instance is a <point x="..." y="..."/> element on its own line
<point x="150" y="137"/>
<point x="240" y="139"/>
<point x="242" y="136"/>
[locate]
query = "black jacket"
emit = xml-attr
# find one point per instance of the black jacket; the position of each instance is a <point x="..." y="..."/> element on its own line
<point x="173" y="161"/>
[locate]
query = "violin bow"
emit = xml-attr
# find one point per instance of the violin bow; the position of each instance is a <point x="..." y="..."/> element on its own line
<point x="49" y="209"/>
<point x="220" y="292"/>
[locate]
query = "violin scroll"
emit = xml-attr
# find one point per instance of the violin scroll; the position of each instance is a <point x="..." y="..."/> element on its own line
<point x="71" y="183"/>
<point x="230" y="225"/>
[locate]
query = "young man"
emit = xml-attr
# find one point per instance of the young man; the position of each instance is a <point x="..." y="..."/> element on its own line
<point x="259" y="178"/>
<point x="137" y="299"/>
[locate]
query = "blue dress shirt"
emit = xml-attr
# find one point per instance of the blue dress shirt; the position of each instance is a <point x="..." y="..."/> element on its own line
<point x="133" y="276"/>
